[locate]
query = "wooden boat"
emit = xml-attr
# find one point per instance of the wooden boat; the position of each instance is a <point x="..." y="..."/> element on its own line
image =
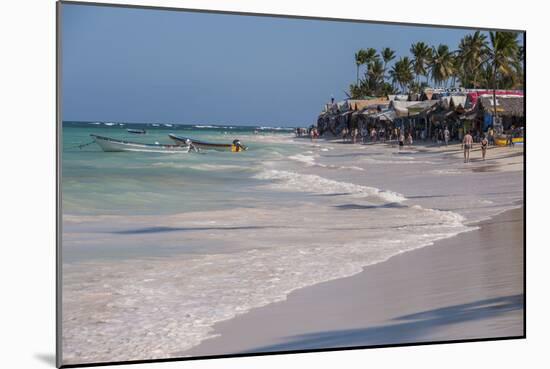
<point x="236" y="146"/>
<point x="114" y="145"/>
<point x="136" y="131"/>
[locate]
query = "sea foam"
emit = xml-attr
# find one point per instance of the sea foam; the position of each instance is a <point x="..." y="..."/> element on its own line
<point x="292" y="181"/>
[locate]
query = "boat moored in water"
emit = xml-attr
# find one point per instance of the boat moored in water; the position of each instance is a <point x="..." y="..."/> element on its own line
<point x="136" y="131"/>
<point x="114" y="145"/>
<point x="235" y="146"/>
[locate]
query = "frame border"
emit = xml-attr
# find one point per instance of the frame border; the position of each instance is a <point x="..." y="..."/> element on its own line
<point x="59" y="213"/>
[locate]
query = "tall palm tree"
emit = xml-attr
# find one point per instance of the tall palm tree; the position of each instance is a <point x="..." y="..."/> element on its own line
<point x="471" y="52"/>
<point x="441" y="64"/>
<point x="375" y="76"/>
<point x="387" y="56"/>
<point x="502" y="57"/>
<point x="371" y="56"/>
<point x="402" y="73"/>
<point x="422" y="54"/>
<point x="360" y="59"/>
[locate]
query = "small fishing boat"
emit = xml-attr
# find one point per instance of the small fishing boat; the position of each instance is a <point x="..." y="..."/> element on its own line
<point x="236" y="146"/>
<point x="136" y="131"/>
<point x="114" y="145"/>
<point x="501" y="141"/>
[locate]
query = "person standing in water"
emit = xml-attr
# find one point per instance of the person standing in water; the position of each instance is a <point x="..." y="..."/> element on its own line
<point x="484" y="144"/>
<point x="192" y="147"/>
<point x="467" y="144"/>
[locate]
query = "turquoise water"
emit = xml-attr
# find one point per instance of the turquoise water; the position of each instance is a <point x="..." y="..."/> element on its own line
<point x="117" y="183"/>
<point x="158" y="248"/>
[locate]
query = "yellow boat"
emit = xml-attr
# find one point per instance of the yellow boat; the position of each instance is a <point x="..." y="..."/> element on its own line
<point x="517" y="140"/>
<point x="501" y="141"/>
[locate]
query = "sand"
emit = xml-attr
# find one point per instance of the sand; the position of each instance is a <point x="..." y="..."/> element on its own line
<point x="466" y="287"/>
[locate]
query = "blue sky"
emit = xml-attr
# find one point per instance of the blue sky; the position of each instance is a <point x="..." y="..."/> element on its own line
<point x="137" y="65"/>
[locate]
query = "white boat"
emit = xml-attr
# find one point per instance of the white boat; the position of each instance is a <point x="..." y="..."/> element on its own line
<point x="114" y="145"/>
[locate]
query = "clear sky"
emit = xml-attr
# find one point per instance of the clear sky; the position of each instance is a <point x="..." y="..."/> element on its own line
<point x="141" y="65"/>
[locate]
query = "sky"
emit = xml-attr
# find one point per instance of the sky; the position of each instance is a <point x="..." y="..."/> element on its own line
<point x="143" y="65"/>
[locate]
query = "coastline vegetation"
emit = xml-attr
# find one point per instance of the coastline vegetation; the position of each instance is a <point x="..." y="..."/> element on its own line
<point x="493" y="60"/>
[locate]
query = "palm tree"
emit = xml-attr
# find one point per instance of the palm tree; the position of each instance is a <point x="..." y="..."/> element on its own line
<point x="402" y="73"/>
<point x="422" y="54"/>
<point x="441" y="64"/>
<point x="471" y="53"/>
<point x="375" y="76"/>
<point x="371" y="56"/>
<point x="360" y="59"/>
<point x="502" y="57"/>
<point x="387" y="56"/>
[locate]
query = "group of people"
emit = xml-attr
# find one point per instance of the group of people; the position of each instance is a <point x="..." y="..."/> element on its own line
<point x="365" y="135"/>
<point x="300" y="131"/>
<point x="468" y="144"/>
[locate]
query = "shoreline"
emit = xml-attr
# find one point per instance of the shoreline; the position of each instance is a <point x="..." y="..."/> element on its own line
<point x="340" y="191"/>
<point x="435" y="293"/>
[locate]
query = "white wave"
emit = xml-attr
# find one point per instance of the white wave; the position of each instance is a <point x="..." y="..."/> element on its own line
<point x="291" y="181"/>
<point x="204" y="166"/>
<point x="158" y="308"/>
<point x="352" y="167"/>
<point x="406" y="160"/>
<point x="305" y="159"/>
<point x="446" y="171"/>
<point x="275" y="128"/>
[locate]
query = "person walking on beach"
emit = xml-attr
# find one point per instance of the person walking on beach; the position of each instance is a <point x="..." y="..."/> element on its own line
<point x="484" y="144"/>
<point x="364" y="134"/>
<point x="446" y="135"/>
<point x="467" y="143"/>
<point x="344" y="134"/>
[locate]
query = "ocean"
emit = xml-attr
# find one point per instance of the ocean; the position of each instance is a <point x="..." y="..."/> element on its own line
<point x="158" y="247"/>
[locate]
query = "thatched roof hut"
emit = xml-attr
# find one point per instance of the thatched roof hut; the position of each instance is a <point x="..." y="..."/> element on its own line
<point x="511" y="106"/>
<point x="360" y="104"/>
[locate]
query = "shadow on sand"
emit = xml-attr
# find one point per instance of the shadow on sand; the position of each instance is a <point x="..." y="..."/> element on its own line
<point x="148" y="230"/>
<point x="391" y="205"/>
<point x="407" y="328"/>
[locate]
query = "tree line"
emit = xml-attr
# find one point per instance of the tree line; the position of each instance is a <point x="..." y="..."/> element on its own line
<point x="488" y="61"/>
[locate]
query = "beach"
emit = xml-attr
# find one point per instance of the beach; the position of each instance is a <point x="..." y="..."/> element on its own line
<point x="466" y="287"/>
<point x="334" y="244"/>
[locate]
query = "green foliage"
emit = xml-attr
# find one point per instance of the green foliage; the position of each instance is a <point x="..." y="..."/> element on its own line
<point x="480" y="61"/>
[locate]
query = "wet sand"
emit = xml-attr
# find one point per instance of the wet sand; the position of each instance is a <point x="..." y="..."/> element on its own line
<point x="465" y="287"/>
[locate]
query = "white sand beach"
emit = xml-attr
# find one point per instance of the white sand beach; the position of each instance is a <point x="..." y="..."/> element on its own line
<point x="329" y="245"/>
<point x="465" y="287"/>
